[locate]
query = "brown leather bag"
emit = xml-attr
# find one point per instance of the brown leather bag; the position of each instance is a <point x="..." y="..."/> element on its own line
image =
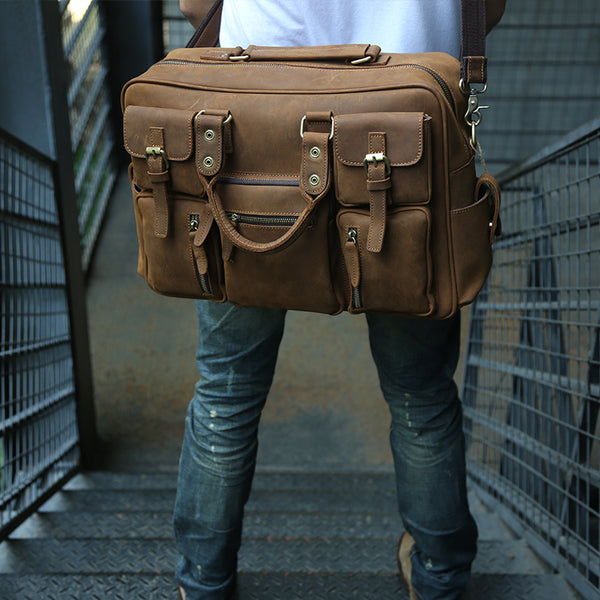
<point x="313" y="178"/>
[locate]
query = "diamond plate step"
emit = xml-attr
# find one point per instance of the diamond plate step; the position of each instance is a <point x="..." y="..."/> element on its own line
<point x="268" y="586"/>
<point x="257" y="524"/>
<point x="261" y="499"/>
<point x="316" y="555"/>
<point x="264" y="479"/>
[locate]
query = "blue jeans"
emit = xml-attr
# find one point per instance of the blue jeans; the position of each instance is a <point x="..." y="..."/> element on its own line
<point x="237" y="352"/>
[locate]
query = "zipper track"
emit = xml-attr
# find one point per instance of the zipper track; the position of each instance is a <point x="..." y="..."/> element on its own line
<point x="439" y="80"/>
<point x="265" y="220"/>
<point x="251" y="181"/>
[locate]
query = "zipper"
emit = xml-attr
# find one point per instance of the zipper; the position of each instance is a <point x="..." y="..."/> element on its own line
<point x="352" y="241"/>
<point x="443" y="85"/>
<point x="264" y="220"/>
<point x="251" y="181"/>
<point x="440" y="81"/>
<point x="203" y="279"/>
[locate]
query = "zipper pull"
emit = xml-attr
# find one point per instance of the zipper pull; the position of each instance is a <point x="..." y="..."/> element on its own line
<point x="194" y="222"/>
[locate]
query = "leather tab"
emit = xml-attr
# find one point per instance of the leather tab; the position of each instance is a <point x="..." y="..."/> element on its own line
<point x="376" y="174"/>
<point x="201" y="259"/>
<point x="473" y="69"/>
<point x="494" y="190"/>
<point x="157" y="168"/>
<point x="353" y="263"/>
<point x="314" y="175"/>
<point x="208" y="130"/>
<point x="206" y="219"/>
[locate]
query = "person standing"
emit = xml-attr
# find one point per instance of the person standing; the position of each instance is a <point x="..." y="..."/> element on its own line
<point x="416" y="359"/>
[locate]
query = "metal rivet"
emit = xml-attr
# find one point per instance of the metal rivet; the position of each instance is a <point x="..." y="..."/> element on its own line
<point x="208" y="162"/>
<point x="209" y="135"/>
<point x="314" y="180"/>
<point x="315" y="152"/>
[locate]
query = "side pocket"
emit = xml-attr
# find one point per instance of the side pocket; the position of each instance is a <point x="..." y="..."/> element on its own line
<point x="187" y="263"/>
<point x="473" y="229"/>
<point x="398" y="279"/>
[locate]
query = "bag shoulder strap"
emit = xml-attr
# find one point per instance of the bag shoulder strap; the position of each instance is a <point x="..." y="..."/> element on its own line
<point x="473" y="62"/>
<point x="207" y="33"/>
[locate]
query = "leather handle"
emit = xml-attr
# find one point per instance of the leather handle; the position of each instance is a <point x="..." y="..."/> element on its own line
<point x="228" y="229"/>
<point x="344" y="52"/>
<point x="473" y="67"/>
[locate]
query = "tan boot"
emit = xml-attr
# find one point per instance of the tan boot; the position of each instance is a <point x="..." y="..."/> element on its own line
<point x="405" y="546"/>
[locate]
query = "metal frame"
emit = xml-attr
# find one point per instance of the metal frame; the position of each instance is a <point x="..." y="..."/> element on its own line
<point x="47" y="418"/>
<point x="531" y="388"/>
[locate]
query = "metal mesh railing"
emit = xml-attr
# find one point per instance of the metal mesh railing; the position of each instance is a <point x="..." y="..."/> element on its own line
<point x="176" y="29"/>
<point x="38" y="422"/>
<point x="89" y="105"/>
<point x="532" y="381"/>
<point x="542" y="58"/>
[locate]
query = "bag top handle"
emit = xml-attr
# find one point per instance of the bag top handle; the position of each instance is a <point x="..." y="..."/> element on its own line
<point x="473" y="62"/>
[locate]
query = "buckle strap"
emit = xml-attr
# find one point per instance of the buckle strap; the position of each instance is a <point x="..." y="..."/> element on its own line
<point x="158" y="171"/>
<point x="378" y="182"/>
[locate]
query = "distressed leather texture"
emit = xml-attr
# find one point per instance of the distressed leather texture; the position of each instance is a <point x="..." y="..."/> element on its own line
<point x="292" y="178"/>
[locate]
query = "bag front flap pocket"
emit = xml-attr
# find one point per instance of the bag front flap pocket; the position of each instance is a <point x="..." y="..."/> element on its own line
<point x="144" y="125"/>
<point x="404" y="137"/>
<point x="379" y="152"/>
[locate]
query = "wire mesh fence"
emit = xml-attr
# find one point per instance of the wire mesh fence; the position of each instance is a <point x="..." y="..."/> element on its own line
<point x="532" y="382"/>
<point x="89" y="104"/>
<point x="38" y="422"/>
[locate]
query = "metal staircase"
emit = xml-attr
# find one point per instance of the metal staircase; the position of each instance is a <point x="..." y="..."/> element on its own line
<point x="307" y="535"/>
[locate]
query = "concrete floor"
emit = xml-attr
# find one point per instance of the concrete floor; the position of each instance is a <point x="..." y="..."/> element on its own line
<point x="325" y="409"/>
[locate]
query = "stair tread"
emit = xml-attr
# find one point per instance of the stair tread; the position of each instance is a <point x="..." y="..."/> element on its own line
<point x="35" y="556"/>
<point x="275" y="586"/>
<point x="257" y="524"/>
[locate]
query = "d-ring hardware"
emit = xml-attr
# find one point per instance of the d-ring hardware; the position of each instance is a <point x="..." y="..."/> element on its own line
<point x="362" y="61"/>
<point x="302" y="127"/>
<point x="228" y="119"/>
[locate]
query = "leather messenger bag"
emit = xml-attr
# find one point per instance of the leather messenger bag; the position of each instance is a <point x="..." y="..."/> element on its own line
<point x="322" y="179"/>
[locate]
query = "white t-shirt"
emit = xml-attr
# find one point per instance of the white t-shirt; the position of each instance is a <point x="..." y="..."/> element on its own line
<point x="395" y="25"/>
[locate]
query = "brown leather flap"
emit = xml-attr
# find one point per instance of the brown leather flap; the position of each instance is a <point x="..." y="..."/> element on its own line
<point x="404" y="137"/>
<point x="176" y="124"/>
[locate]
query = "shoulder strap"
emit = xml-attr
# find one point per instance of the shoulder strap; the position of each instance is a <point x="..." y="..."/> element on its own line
<point x="473" y="63"/>
<point x="207" y="33"/>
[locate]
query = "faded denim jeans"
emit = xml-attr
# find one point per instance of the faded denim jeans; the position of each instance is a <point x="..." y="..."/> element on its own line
<point x="416" y="360"/>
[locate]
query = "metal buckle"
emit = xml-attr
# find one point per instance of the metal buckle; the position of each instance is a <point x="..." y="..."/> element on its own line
<point x="375" y="158"/>
<point x="302" y="127"/>
<point x="157" y="151"/>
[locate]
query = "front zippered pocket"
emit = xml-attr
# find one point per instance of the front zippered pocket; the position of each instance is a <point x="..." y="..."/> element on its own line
<point x="262" y="220"/>
<point x="397" y="279"/>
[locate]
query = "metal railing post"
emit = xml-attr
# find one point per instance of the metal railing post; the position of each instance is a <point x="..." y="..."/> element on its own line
<point x="67" y="207"/>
